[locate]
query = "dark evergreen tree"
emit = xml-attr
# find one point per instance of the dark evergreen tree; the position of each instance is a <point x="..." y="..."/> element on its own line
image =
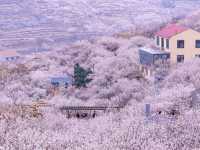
<point x="81" y="76"/>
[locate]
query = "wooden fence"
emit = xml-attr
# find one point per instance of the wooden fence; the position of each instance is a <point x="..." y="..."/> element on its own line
<point x="34" y="110"/>
<point x="85" y="111"/>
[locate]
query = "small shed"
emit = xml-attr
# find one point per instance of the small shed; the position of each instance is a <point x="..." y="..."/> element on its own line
<point x="148" y="58"/>
<point x="61" y="81"/>
<point x="9" y="55"/>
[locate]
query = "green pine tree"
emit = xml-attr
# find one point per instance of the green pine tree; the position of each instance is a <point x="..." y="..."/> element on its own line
<point x="81" y="76"/>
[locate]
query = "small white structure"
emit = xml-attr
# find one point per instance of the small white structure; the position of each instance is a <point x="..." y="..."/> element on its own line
<point x="8" y="55"/>
<point x="147" y="110"/>
<point x="195" y="98"/>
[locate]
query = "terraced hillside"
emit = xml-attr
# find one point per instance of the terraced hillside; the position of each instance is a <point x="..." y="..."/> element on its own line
<point x="22" y="22"/>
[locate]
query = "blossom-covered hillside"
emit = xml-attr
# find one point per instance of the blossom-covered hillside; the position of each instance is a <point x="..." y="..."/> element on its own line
<point x="24" y="22"/>
<point x="113" y="61"/>
<point x="116" y="81"/>
<point x="32" y="104"/>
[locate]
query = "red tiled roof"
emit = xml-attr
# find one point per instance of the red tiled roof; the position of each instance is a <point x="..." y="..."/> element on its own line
<point x="171" y="30"/>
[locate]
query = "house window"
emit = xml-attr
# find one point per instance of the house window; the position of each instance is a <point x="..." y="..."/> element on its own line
<point x="197" y="56"/>
<point x="164" y="57"/>
<point x="158" y="40"/>
<point x="180" y="44"/>
<point x="180" y="58"/>
<point x="156" y="57"/>
<point x="197" y="43"/>
<point x="55" y="84"/>
<point x="162" y="42"/>
<point x="167" y="43"/>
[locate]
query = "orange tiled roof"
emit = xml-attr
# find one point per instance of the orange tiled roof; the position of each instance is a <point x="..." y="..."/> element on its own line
<point x="8" y="53"/>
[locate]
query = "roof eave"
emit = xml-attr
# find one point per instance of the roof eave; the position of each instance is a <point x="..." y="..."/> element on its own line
<point x="166" y="37"/>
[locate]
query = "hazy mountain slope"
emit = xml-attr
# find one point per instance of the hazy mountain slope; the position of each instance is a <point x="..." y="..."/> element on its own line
<point x="22" y="21"/>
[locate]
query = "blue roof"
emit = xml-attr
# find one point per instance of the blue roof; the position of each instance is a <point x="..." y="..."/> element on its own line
<point x="61" y="80"/>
